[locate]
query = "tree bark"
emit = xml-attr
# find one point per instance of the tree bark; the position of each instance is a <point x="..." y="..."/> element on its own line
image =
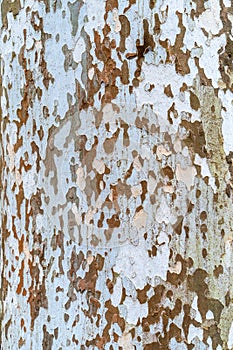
<point x="116" y="174"/>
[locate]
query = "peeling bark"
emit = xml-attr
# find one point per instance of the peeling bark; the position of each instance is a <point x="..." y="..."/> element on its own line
<point x="116" y="174"/>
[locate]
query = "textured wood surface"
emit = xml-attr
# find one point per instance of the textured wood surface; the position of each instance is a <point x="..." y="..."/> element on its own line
<point x="116" y="174"/>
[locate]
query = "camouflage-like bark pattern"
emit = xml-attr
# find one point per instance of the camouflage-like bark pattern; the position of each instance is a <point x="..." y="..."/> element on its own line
<point x="116" y="174"/>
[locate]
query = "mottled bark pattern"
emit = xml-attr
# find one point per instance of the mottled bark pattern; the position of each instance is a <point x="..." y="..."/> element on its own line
<point x="116" y="174"/>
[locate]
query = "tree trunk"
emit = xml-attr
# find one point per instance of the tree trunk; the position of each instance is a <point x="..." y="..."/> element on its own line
<point x="116" y="174"/>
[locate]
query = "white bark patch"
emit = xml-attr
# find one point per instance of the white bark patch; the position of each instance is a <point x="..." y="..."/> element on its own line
<point x="89" y="216"/>
<point x="209" y="315"/>
<point x="140" y="219"/>
<point x="132" y="262"/>
<point x="227" y="124"/>
<point x="91" y="73"/>
<point x="27" y="255"/>
<point x="162" y="151"/>
<point x="163" y="213"/>
<point x="210" y="18"/>
<point x="137" y="165"/>
<point x="60" y="136"/>
<point x="168" y="189"/>
<point x="11" y="154"/>
<point x="76" y="213"/>
<point x="108" y="113"/>
<point x="117" y="293"/>
<point x="194" y="332"/>
<point x="99" y="166"/>
<point x="177" y="145"/>
<point x="116" y="20"/>
<point x="136" y="190"/>
<point x="186" y="175"/>
<point x="135" y="310"/>
<point x="79" y="49"/>
<point x="80" y="178"/>
<point x="177" y="268"/>
<point x="230" y="337"/>
<point x="125" y="341"/>
<point x="205" y="171"/>
<point x="198" y="317"/>
<point x="90" y="258"/>
<point x="151" y="184"/>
